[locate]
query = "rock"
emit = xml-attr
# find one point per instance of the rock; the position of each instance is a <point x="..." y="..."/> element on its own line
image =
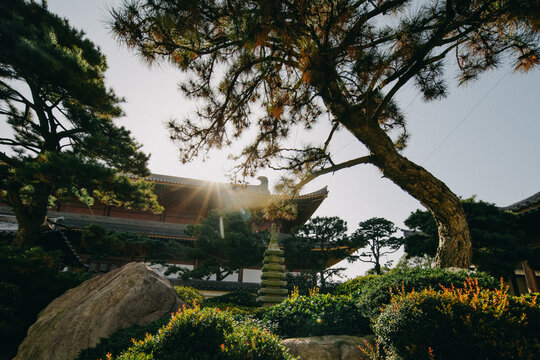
<point x="329" y="347"/>
<point x="132" y="294"/>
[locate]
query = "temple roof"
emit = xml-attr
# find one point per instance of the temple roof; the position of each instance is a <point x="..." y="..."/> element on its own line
<point x="168" y="179"/>
<point x="184" y="199"/>
<point x="261" y="188"/>
<point x="527" y="204"/>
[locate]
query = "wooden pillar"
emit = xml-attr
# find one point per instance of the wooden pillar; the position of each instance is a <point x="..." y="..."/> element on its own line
<point x="530" y="277"/>
<point x="241" y="275"/>
<point x="515" y="286"/>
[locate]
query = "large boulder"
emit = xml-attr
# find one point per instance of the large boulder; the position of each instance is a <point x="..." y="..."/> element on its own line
<point x="132" y="294"/>
<point x="329" y="347"/>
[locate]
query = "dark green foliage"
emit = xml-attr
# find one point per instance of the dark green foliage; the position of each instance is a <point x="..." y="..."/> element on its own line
<point x="63" y="143"/>
<point x="99" y="242"/>
<point x="208" y="334"/>
<point x="304" y="282"/>
<point x="312" y="245"/>
<point x="498" y="238"/>
<point x="240" y="246"/>
<point x="528" y="222"/>
<point x="29" y="280"/>
<point x="234" y="298"/>
<point x="353" y="286"/>
<point x="375" y="237"/>
<point x="470" y="323"/>
<point x="122" y="340"/>
<point x="189" y="295"/>
<point x="242" y="313"/>
<point x="317" y="315"/>
<point x="376" y="292"/>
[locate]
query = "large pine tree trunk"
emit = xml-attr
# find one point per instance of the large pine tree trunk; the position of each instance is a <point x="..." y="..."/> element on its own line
<point x="455" y="248"/>
<point x="31" y="215"/>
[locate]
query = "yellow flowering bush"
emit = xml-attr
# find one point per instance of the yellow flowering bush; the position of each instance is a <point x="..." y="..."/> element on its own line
<point x="460" y="323"/>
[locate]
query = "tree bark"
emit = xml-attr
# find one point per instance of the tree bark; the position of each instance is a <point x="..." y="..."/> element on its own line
<point x="323" y="280"/>
<point x="455" y="249"/>
<point x="31" y="216"/>
<point x="377" y="268"/>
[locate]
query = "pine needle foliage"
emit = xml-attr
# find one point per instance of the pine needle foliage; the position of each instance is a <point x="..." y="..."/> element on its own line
<point x="63" y="142"/>
<point x="272" y="67"/>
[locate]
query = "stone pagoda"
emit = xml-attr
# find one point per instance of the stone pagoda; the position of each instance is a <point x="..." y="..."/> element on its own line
<point x="273" y="282"/>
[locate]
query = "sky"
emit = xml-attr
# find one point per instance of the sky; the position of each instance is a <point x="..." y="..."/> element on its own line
<point x="483" y="140"/>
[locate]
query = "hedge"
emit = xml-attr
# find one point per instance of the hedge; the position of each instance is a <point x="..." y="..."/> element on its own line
<point x="468" y="323"/>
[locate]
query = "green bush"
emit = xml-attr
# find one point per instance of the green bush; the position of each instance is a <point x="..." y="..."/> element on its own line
<point x="189" y="294"/>
<point x="316" y="315"/>
<point x="376" y="292"/>
<point x="469" y="323"/>
<point x="207" y="334"/>
<point x="353" y="286"/>
<point x="122" y="340"/>
<point x="241" y="313"/>
<point x="234" y="298"/>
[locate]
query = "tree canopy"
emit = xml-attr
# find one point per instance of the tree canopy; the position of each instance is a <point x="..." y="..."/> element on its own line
<point x="222" y="253"/>
<point x="63" y="141"/>
<point x="270" y="66"/>
<point x="375" y="238"/>
<point x="499" y="239"/>
<point x="315" y="243"/>
<point x="99" y="242"/>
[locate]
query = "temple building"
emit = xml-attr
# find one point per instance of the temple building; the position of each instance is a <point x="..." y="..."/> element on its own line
<point x="185" y="200"/>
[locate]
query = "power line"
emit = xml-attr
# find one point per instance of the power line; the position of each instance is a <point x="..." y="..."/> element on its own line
<point x="465" y="118"/>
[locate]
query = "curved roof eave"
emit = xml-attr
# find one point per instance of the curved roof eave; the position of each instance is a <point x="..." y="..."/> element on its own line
<point x="527" y="204"/>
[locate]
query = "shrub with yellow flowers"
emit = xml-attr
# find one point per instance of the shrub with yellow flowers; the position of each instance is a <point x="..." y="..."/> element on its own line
<point x="460" y="323"/>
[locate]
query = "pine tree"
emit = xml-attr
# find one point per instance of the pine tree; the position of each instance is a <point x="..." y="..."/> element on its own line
<point x="63" y="142"/>
<point x="222" y="254"/>
<point x="269" y="66"/>
<point x="314" y="244"/>
<point x="376" y="235"/>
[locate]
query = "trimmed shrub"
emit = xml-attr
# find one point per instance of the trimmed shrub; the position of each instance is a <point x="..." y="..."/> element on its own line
<point x="353" y="286"/>
<point x="232" y="299"/>
<point x="377" y="291"/>
<point x="241" y="313"/>
<point x="122" y="340"/>
<point x="207" y="334"/>
<point x="189" y="294"/>
<point x="316" y="315"/>
<point x="467" y="323"/>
